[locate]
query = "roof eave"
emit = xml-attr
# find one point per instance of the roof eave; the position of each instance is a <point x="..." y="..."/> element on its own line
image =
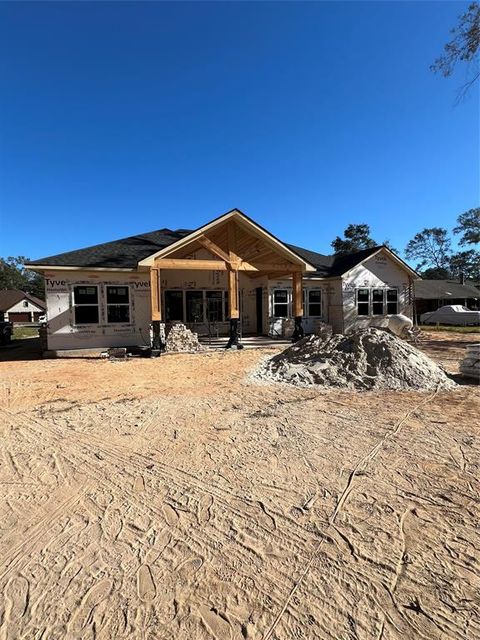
<point x="50" y="267"/>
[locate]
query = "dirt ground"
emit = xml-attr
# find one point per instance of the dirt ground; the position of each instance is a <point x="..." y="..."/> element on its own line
<point x="173" y="498"/>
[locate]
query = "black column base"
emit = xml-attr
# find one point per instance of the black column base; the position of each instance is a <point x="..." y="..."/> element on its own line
<point x="157" y="344"/>
<point x="234" y="339"/>
<point x="298" y="332"/>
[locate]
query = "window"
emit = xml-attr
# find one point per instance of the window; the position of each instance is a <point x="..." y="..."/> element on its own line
<point x="392" y="301"/>
<point x="194" y="303"/>
<point x="363" y="302"/>
<point x="173" y="306"/>
<point x="314" y="302"/>
<point x="280" y="303"/>
<point x="214" y="306"/>
<point x="85" y="301"/>
<point x="377" y="302"/>
<point x="25" y="303"/>
<point x="118" y="304"/>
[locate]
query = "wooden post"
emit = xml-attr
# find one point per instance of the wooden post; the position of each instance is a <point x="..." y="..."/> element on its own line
<point x="297" y="294"/>
<point x="155" y="299"/>
<point x="233" y="310"/>
<point x="298" y="331"/>
<point x="156" y="311"/>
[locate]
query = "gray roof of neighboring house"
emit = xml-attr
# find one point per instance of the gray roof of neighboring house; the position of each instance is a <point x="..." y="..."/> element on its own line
<point x="127" y="252"/>
<point x="444" y="289"/>
<point x="11" y="297"/>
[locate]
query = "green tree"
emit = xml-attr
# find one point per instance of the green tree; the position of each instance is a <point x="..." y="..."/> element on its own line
<point x="356" y="237"/>
<point x="469" y="227"/>
<point x="463" y="48"/>
<point x="431" y="247"/>
<point x="13" y="275"/>
<point x="466" y="263"/>
<point x="435" y="273"/>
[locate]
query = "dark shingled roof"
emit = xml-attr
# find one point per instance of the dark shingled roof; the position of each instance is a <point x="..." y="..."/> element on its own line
<point x="336" y="265"/>
<point x="10" y="297"/>
<point x="444" y="289"/>
<point x="127" y="252"/>
<point x="120" y="254"/>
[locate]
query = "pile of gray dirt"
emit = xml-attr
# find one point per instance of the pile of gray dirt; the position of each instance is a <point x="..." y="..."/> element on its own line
<point x="366" y="359"/>
<point x="180" y="339"/>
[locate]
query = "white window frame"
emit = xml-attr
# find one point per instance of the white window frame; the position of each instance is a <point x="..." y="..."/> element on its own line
<point x="74" y="305"/>
<point x="118" y="304"/>
<point x="288" y="302"/>
<point x="371" y="302"/>
<point x="396" y="302"/>
<point x="307" y="303"/>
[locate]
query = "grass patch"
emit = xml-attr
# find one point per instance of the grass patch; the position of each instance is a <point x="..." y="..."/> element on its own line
<point x="24" y="332"/>
<point x="449" y="327"/>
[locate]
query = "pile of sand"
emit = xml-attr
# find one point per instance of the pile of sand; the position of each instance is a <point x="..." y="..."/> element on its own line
<point x="367" y="359"/>
<point x="181" y="339"/>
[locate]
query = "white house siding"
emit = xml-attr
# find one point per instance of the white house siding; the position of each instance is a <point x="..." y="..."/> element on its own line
<point x="20" y="307"/>
<point x="379" y="271"/>
<point x="62" y="333"/>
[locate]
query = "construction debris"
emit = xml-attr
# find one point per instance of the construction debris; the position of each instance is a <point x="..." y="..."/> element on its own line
<point x="367" y="359"/>
<point x="323" y="330"/>
<point x="470" y="365"/>
<point x="181" y="339"/>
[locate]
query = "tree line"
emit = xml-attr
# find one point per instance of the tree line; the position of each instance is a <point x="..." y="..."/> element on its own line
<point x="430" y="248"/>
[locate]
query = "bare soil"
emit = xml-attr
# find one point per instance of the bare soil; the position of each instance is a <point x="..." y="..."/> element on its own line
<point x="174" y="498"/>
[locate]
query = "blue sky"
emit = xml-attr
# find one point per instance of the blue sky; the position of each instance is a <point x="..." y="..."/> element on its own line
<point x="121" y="118"/>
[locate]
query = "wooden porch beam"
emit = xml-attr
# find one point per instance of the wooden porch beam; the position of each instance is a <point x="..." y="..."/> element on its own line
<point x="213" y="248"/>
<point x="232" y="245"/>
<point x="220" y="265"/>
<point x="185" y="263"/>
<point x="283" y="268"/>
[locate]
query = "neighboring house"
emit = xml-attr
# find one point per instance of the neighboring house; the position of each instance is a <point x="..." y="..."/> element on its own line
<point x="18" y="306"/>
<point x="430" y="295"/>
<point x="227" y="271"/>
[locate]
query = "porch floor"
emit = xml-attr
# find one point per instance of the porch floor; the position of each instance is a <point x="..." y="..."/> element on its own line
<point x="248" y="342"/>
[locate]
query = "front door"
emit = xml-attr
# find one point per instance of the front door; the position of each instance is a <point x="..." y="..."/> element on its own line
<point x="259" y="307"/>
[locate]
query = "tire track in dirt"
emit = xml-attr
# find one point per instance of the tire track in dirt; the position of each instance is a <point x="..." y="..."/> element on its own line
<point x="361" y="465"/>
<point x="35" y="530"/>
<point x="122" y="454"/>
<point x="122" y="459"/>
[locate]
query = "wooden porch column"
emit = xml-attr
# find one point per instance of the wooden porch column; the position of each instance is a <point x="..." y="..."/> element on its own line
<point x="155" y="297"/>
<point x="297" y="287"/>
<point x="233" y="309"/>
<point x="156" y="310"/>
